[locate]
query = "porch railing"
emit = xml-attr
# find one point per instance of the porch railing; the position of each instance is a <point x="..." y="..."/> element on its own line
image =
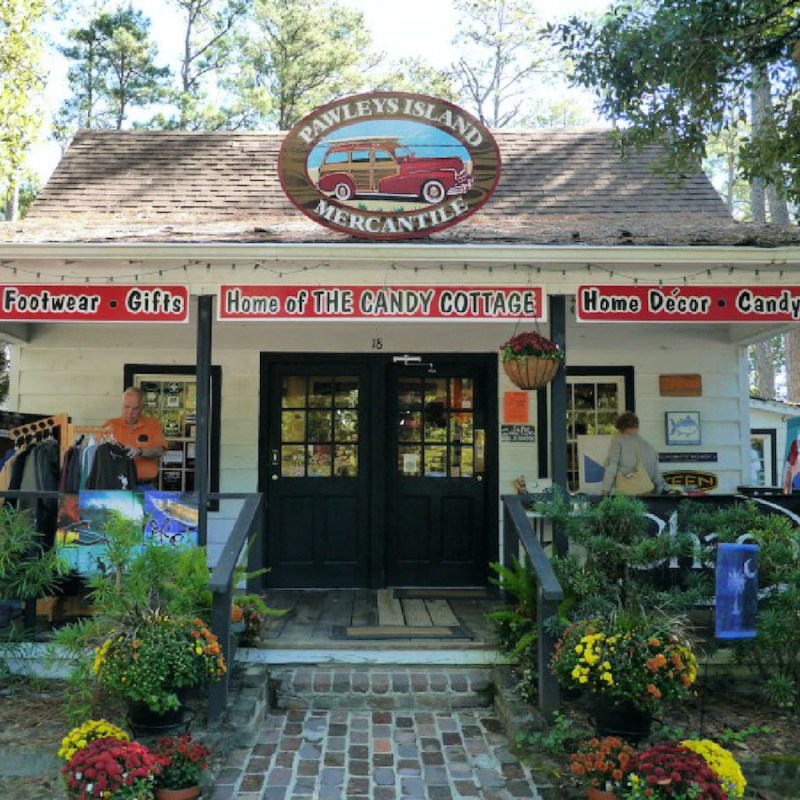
<point x="248" y="527"/>
<point x="518" y="531"/>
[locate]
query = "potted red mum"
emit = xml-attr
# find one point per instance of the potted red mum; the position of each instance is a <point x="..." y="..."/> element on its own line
<point x="111" y="769"/>
<point x="183" y="761"/>
<point x="670" y="770"/>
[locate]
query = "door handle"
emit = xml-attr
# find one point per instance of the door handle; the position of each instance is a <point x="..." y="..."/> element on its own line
<point x="480" y="451"/>
<point x="275" y="464"/>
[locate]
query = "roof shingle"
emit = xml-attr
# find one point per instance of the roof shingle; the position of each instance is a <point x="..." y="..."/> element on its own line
<point x="568" y="186"/>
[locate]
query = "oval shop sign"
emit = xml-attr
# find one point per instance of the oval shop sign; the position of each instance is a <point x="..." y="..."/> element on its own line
<point x="389" y="165"/>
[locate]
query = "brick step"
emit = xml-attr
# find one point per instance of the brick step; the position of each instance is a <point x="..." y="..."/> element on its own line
<point x="380" y="688"/>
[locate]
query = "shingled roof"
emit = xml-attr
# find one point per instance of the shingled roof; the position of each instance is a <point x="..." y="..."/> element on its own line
<point x="556" y="187"/>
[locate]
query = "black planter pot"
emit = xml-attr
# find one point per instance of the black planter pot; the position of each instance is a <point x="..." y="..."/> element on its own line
<point x="146" y="722"/>
<point x="614" y="717"/>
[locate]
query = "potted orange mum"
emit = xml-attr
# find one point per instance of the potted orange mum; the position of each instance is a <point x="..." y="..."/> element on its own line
<point x="603" y="764"/>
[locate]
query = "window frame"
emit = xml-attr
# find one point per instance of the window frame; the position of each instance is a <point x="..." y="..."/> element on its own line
<point x="132" y="371"/>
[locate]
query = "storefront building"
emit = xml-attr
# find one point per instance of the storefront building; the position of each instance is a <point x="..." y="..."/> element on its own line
<point x="355" y="374"/>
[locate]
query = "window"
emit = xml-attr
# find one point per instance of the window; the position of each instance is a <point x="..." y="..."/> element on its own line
<point x="360" y="157"/>
<point x="382" y="155"/>
<point x="762" y="458"/>
<point x="593" y="404"/>
<point x="336" y="158"/>
<point x="170" y="395"/>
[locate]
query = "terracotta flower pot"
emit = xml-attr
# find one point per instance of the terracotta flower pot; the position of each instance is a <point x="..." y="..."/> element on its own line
<point x="600" y="794"/>
<point x="189" y="793"/>
<point x="531" y="372"/>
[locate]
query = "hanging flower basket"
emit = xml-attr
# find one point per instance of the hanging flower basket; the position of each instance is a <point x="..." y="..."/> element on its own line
<point x="530" y="360"/>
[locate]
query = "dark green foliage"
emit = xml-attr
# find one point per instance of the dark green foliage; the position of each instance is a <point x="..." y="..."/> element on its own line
<point x="27" y="570"/>
<point x="681" y="71"/>
<point x="613" y="563"/>
<point x="774" y="655"/>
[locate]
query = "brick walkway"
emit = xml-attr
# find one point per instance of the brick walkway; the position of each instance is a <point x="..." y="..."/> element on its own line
<point x="321" y="754"/>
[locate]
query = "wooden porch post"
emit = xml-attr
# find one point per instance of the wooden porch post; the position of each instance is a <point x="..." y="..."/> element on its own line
<point x="558" y="411"/>
<point x="203" y="440"/>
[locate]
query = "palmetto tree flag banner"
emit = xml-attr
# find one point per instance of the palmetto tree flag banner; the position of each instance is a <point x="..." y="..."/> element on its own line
<point x="736" y="591"/>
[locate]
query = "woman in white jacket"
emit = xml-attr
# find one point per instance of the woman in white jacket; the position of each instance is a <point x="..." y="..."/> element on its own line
<point x="626" y="450"/>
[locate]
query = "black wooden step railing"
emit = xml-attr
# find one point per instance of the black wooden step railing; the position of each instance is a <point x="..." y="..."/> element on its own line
<point x="248" y="527"/>
<point x="518" y="533"/>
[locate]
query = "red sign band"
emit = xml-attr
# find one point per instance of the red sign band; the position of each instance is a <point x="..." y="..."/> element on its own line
<point x="368" y="303"/>
<point x="58" y="303"/>
<point x="688" y="304"/>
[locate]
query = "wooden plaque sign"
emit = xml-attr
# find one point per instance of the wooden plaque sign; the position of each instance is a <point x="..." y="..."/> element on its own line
<point x="680" y="385"/>
<point x="389" y="165"/>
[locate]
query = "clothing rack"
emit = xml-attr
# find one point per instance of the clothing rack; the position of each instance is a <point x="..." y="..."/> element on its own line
<point x="57" y="426"/>
<point x="100" y="433"/>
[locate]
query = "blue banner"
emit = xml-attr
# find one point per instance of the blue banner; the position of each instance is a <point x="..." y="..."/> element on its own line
<point x="737" y="591"/>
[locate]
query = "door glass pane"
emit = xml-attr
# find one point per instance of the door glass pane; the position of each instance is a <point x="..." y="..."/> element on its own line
<point x="320" y="392"/>
<point x="435" y="424"/>
<point x="293" y="461"/>
<point x="293" y="426"/>
<point x="294" y="392"/>
<point x="319" y="461"/>
<point x="319" y="426"/>
<point x="346" y="393"/>
<point x="410" y="395"/>
<point x="346" y="461"/>
<point x="461" y="428"/>
<point x="462" y="392"/>
<point x="310" y="426"/>
<point x="346" y="426"/>
<point x="409" y="426"/>
<point x="436" y="462"/>
<point x="445" y="426"/>
<point x="436" y="391"/>
<point x="409" y="461"/>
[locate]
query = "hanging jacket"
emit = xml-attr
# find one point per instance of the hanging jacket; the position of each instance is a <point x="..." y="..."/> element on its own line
<point x="112" y="468"/>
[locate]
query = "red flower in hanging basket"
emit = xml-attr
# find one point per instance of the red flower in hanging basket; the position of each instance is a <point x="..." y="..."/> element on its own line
<point x="530" y="343"/>
<point x="530" y="360"/>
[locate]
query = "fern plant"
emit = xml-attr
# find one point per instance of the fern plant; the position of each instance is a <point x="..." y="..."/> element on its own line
<point x="516" y="624"/>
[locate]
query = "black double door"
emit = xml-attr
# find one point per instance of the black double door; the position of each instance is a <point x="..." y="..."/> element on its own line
<point x="379" y="470"/>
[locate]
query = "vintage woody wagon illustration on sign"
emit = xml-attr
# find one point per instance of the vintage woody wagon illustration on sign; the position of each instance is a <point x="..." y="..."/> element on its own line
<point x="389" y="165"/>
<point x="385" y="167"/>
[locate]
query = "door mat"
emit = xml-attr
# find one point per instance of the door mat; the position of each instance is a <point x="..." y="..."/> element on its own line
<point x="362" y="632"/>
<point x="440" y="594"/>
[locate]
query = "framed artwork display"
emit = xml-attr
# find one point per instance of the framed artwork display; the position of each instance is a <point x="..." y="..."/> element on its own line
<point x="682" y="427"/>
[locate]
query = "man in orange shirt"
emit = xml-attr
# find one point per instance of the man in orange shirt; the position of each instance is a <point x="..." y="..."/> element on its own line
<point x="142" y="437"/>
